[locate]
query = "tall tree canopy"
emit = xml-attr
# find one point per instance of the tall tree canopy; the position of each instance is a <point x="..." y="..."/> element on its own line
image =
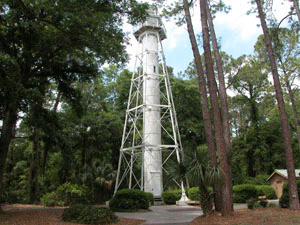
<point x="54" y="41"/>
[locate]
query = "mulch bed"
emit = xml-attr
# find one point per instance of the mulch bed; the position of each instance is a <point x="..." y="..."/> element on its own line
<point x="37" y="215"/>
<point x="265" y="216"/>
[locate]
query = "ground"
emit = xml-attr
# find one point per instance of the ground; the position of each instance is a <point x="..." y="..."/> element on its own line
<point x="266" y="216"/>
<point x="25" y="215"/>
<point x="18" y="214"/>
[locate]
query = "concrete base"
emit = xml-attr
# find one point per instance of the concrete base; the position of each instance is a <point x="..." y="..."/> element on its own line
<point x="158" y="201"/>
<point x="183" y="201"/>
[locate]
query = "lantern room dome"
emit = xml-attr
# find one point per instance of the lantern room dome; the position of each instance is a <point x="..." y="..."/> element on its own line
<point x="152" y="23"/>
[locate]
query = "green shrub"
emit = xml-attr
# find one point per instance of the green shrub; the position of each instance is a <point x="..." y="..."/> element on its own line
<point x="72" y="213"/>
<point x="12" y="196"/>
<point x="284" y="200"/>
<point x="171" y="196"/>
<point x="254" y="203"/>
<point x="86" y="214"/>
<point x="266" y="190"/>
<point x="211" y="190"/>
<point x="260" y="191"/>
<point x="193" y="193"/>
<point x="129" y="200"/>
<point x="49" y="199"/>
<point x="271" y="204"/>
<point x="263" y="203"/>
<point x="150" y="197"/>
<point x="257" y="205"/>
<point x="72" y="193"/>
<point x="251" y="203"/>
<point x="243" y="192"/>
<point x="65" y="195"/>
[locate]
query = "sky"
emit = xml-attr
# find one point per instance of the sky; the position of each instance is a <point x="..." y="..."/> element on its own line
<point x="236" y="31"/>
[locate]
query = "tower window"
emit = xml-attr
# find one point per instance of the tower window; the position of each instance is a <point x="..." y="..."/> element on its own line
<point x="154" y="69"/>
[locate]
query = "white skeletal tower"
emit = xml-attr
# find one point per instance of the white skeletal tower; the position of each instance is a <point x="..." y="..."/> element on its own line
<point x="150" y="136"/>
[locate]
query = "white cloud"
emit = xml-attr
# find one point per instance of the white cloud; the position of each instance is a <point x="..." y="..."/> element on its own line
<point x="131" y="51"/>
<point x="175" y="35"/>
<point x="237" y="20"/>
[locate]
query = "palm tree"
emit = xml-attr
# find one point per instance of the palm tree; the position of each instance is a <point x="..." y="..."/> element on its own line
<point x="201" y="172"/>
<point x="198" y="170"/>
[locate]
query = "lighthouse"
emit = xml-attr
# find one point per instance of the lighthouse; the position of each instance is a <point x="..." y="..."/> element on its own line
<point x="150" y="136"/>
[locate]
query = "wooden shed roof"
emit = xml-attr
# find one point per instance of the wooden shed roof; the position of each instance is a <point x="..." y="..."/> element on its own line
<point x="283" y="173"/>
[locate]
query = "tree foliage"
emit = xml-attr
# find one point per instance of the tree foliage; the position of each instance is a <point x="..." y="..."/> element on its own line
<point x="54" y="42"/>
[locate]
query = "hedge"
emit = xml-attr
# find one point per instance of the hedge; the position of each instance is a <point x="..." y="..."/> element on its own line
<point x="266" y="190"/>
<point x="65" y="195"/>
<point x="129" y="200"/>
<point x="243" y="192"/>
<point x="193" y="193"/>
<point x="253" y="203"/>
<point x="150" y="197"/>
<point x="284" y="200"/>
<point x="171" y="196"/>
<point x="86" y="214"/>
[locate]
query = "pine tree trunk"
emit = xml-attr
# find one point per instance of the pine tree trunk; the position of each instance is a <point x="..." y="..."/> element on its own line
<point x="227" y="197"/>
<point x="222" y="92"/>
<point x="202" y="86"/>
<point x="203" y="95"/>
<point x="293" y="199"/>
<point x="222" y="88"/>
